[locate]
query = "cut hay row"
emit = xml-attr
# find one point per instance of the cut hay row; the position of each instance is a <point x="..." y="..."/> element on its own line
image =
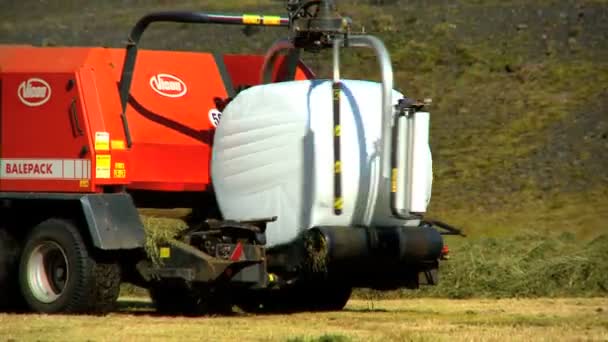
<point x="524" y="265"/>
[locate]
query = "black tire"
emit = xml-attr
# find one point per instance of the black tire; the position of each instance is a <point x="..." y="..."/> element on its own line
<point x="300" y="298"/>
<point x="77" y="283"/>
<point x="11" y="298"/>
<point x="321" y="297"/>
<point x="332" y="297"/>
<point x="182" y="301"/>
<point x="174" y="301"/>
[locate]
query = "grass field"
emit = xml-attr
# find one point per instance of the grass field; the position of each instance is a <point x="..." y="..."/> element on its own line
<point x="386" y="320"/>
<point x="519" y="135"/>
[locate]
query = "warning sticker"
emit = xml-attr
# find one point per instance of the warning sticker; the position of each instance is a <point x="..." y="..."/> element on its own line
<point x="102" y="141"/>
<point x="164" y="252"/>
<point x="102" y="165"/>
<point x="119" y="170"/>
<point x="214" y="117"/>
<point x="118" y="144"/>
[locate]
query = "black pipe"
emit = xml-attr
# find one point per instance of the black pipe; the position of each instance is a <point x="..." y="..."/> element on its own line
<point x="177" y="17"/>
<point x="359" y="246"/>
<point x="338" y="200"/>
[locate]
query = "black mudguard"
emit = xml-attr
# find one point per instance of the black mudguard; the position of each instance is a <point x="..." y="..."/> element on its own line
<point x="112" y="220"/>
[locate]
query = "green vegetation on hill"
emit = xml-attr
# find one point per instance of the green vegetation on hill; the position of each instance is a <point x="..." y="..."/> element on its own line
<point x="519" y="117"/>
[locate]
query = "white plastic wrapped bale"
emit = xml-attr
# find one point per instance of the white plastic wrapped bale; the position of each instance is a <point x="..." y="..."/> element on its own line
<point x="273" y="156"/>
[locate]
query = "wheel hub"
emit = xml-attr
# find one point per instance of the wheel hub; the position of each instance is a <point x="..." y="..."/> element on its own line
<point x="47" y="271"/>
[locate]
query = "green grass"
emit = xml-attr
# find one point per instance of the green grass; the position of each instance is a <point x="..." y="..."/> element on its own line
<point x="524" y="265"/>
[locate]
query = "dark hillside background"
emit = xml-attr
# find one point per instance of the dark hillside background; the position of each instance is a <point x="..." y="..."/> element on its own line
<point x="519" y="116"/>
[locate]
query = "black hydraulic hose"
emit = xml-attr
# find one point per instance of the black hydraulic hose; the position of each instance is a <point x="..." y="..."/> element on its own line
<point x="177" y="17"/>
<point x="450" y="230"/>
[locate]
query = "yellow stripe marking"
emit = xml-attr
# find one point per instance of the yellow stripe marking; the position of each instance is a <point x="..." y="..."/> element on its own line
<point x="394" y="180"/>
<point x="252" y="19"/>
<point x="338" y="167"/>
<point x="272" y="20"/>
<point x="338" y="203"/>
<point x="337" y="130"/>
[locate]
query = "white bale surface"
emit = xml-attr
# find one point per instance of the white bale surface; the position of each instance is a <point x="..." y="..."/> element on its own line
<point x="273" y="156"/>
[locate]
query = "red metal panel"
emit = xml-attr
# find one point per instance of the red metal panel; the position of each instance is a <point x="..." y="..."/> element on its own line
<point x="100" y="95"/>
<point x="246" y="70"/>
<point x="42" y="119"/>
<point x="60" y="109"/>
<point x="170" y="116"/>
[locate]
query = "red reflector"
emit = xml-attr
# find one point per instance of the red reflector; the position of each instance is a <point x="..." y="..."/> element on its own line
<point x="445" y="250"/>
<point x="238" y="252"/>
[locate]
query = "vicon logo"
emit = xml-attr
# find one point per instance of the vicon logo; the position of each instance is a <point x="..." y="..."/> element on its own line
<point x="34" y="92"/>
<point x="168" y="85"/>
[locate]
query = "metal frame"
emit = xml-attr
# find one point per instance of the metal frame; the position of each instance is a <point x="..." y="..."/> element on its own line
<point x="390" y="163"/>
<point x="388" y="143"/>
<point x="386" y="110"/>
<point x="177" y="17"/>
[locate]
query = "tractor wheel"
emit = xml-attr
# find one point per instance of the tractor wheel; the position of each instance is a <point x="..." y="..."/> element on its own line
<point x="57" y="274"/>
<point x="11" y="298"/>
<point x="332" y="297"/>
<point x="322" y="297"/>
<point x="174" y="301"/>
<point x="182" y="301"/>
<point x="300" y="298"/>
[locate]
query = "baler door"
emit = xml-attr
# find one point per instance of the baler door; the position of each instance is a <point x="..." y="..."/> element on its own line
<point x="45" y="139"/>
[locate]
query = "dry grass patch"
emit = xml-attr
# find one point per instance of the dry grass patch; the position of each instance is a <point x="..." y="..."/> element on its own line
<point x="385" y="320"/>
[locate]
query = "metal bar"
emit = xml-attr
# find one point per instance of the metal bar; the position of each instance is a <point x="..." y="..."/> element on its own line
<point x="409" y="159"/>
<point x="395" y="160"/>
<point x="336" y="55"/>
<point x="386" y="70"/>
<point x="221" y="66"/>
<point x="178" y="17"/>
<point x="403" y="153"/>
<point x="293" y="58"/>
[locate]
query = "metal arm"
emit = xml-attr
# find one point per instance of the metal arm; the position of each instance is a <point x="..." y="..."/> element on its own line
<point x="386" y="109"/>
<point x="178" y="17"/>
<point x="386" y="70"/>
